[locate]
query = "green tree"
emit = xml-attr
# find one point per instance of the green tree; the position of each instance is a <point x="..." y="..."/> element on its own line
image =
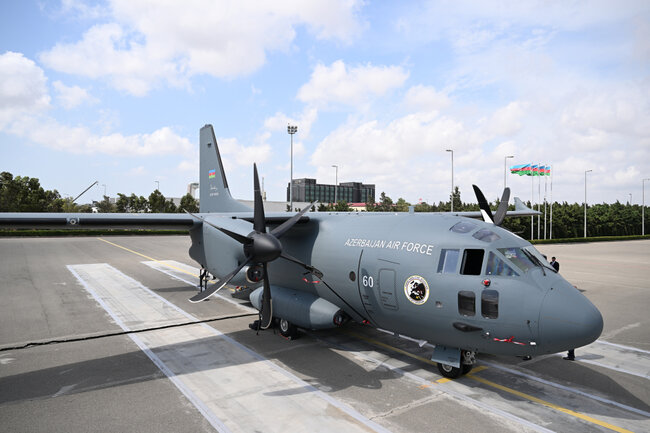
<point x="341" y="206"/>
<point x="105" y="206"/>
<point x="188" y="203"/>
<point x="156" y="202"/>
<point x="402" y="205"/>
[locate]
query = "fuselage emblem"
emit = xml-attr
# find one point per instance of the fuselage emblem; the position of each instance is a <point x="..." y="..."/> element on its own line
<point x="416" y="289"/>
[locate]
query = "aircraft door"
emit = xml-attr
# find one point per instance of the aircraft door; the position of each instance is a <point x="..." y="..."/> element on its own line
<point x="377" y="287"/>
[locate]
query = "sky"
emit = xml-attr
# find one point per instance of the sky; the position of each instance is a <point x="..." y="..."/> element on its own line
<point x="116" y="91"/>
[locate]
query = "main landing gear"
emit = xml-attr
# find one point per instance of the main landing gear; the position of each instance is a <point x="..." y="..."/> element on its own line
<point x="467" y="361"/>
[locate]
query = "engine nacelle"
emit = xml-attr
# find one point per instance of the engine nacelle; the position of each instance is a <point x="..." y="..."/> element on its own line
<point x="303" y="309"/>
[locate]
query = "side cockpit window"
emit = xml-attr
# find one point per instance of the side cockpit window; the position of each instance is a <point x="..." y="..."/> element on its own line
<point x="496" y="266"/>
<point x="472" y="262"/>
<point x="448" y="263"/>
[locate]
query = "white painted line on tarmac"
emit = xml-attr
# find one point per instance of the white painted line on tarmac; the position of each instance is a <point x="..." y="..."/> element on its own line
<point x="567" y="388"/>
<point x="233" y="387"/>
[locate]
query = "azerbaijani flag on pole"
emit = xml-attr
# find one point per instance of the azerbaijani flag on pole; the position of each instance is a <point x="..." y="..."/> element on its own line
<point x="521" y="169"/>
<point x="530" y="170"/>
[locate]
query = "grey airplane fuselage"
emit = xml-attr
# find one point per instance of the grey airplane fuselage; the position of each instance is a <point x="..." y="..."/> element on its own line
<point x="440" y="278"/>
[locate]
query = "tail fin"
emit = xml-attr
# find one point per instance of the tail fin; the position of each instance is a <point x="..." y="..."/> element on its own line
<point x="214" y="193"/>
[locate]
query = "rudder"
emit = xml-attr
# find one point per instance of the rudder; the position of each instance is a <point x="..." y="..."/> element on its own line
<point x="214" y="194"/>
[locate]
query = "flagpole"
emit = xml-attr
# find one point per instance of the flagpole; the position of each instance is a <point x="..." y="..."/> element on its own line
<point x="545" y="192"/>
<point x="532" y="200"/>
<point x="550" y="235"/>
<point x="539" y="201"/>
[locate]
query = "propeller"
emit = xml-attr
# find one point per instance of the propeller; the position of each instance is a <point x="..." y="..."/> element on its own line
<point x="260" y="248"/>
<point x="500" y="214"/>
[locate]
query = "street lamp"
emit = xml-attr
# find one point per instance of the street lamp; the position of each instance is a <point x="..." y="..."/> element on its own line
<point x="452" y="178"/>
<point x="505" y="170"/>
<point x="157" y="185"/>
<point x="586" y="171"/>
<point x="643" y="205"/>
<point x="336" y="182"/>
<point x="630" y="202"/>
<point x="291" y="129"/>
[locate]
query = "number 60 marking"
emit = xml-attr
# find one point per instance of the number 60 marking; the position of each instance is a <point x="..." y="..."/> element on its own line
<point x="367" y="281"/>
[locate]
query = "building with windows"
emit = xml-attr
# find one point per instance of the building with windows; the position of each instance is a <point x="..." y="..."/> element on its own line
<point x="307" y="190"/>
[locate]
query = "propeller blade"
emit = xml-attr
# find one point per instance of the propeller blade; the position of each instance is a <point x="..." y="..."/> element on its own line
<point x="483" y="204"/>
<point x="282" y="228"/>
<point x="259" y="221"/>
<point x="500" y="214"/>
<point x="236" y="236"/>
<point x="215" y="288"/>
<point x="311" y="269"/>
<point x="266" y="313"/>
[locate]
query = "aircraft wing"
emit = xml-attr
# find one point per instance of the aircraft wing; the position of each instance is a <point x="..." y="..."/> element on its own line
<point x="95" y="220"/>
<point x="520" y="210"/>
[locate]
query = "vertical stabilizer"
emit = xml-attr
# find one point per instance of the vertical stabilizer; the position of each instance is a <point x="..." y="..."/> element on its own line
<point x="214" y="193"/>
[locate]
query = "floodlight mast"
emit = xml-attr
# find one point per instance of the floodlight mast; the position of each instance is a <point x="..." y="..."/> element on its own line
<point x="586" y="171"/>
<point x="452" y="178"/>
<point x="291" y="129"/>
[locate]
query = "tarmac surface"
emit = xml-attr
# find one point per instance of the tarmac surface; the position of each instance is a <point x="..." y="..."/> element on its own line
<point x="84" y="302"/>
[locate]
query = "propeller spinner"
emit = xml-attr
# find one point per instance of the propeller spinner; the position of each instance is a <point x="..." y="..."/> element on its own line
<point x="260" y="247"/>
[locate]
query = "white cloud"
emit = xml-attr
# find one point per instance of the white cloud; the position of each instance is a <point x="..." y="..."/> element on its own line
<point x="425" y="98"/>
<point x="80" y="140"/>
<point x="23" y="87"/>
<point x="340" y="84"/>
<point x="507" y="121"/>
<point x="72" y="96"/>
<point x="149" y="42"/>
<point x="279" y="121"/>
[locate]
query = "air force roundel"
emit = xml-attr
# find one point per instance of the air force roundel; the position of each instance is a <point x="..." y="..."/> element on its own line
<point x="416" y="289"/>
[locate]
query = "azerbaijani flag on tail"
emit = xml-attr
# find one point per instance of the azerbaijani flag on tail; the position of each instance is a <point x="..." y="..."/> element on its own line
<point x="212" y="174"/>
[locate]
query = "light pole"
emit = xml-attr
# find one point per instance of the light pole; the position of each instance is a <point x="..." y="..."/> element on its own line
<point x="643" y="205"/>
<point x="586" y="171"/>
<point x="157" y="185"/>
<point x="505" y="170"/>
<point x="630" y="202"/>
<point x="104" y="185"/>
<point x="452" y="178"/>
<point x="291" y="129"/>
<point x="336" y="182"/>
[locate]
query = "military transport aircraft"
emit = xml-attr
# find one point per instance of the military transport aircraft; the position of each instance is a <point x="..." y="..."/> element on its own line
<point x="463" y="285"/>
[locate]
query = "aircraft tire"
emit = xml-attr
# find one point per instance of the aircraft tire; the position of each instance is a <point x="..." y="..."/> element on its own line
<point x="466" y="368"/>
<point x="287" y="329"/>
<point x="450" y="372"/>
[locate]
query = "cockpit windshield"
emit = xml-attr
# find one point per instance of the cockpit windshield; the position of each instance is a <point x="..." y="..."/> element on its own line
<point x="525" y="258"/>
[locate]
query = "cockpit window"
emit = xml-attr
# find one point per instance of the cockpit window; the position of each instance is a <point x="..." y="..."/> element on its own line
<point x="496" y="266"/>
<point x="463" y="227"/>
<point x="472" y="262"/>
<point x="486" y="235"/>
<point x="518" y="257"/>
<point x="539" y="256"/>
<point x="448" y="261"/>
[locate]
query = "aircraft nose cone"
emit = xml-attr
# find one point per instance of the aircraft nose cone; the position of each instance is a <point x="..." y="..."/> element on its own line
<point x="568" y="320"/>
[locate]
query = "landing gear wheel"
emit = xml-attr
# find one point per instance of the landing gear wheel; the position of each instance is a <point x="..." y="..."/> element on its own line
<point x="466" y="368"/>
<point x="450" y="372"/>
<point x="287" y="329"/>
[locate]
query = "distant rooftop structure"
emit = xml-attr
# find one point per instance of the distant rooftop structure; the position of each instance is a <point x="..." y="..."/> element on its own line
<point x="307" y="190"/>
